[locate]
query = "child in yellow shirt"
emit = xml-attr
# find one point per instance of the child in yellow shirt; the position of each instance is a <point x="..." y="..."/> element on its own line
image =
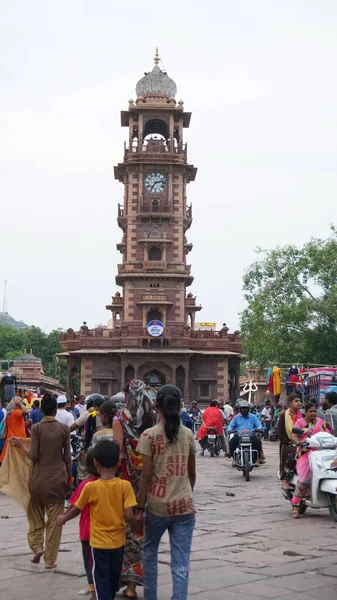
<point x="111" y="501"/>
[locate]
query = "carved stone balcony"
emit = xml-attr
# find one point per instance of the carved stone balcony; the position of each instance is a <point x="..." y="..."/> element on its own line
<point x="121" y="218"/>
<point x="155" y="207"/>
<point x="156" y="266"/>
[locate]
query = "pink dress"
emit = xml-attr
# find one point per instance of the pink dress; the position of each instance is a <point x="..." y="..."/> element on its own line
<point x="303" y="464"/>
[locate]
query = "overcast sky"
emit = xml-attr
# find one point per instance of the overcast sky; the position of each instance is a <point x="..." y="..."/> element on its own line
<point x="260" y="79"/>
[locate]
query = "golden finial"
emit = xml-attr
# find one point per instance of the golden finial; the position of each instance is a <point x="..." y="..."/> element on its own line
<point x="156" y="58"/>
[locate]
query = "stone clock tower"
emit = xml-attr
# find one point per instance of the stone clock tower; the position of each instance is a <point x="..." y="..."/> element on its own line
<point x="155" y="217"/>
<point x="154" y="275"/>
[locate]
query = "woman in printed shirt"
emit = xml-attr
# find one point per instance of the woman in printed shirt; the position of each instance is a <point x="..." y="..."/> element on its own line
<point x="166" y="485"/>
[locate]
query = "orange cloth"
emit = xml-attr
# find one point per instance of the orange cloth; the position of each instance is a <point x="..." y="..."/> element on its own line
<point x="15" y="425"/>
<point x="212" y="417"/>
<point x="277" y="373"/>
<point x="15" y="475"/>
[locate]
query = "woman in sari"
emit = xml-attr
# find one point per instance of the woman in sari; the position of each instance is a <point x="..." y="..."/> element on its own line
<point x="15" y="422"/>
<point x="139" y="415"/>
<point x="285" y="427"/>
<point x="310" y="424"/>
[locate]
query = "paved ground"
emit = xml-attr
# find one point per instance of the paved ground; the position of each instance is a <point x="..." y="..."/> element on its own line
<point x="246" y="546"/>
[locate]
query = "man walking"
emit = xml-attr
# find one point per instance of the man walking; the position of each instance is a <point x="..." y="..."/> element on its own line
<point x="49" y="483"/>
<point x="331" y="413"/>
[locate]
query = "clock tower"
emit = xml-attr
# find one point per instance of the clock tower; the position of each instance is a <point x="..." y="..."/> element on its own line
<point x="153" y="334"/>
<point x="154" y="216"/>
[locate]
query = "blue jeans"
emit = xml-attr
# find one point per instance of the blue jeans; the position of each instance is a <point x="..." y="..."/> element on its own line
<point x="180" y="529"/>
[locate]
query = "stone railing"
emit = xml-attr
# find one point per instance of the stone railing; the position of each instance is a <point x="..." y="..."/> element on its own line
<point x="154" y="207"/>
<point x="133" y="336"/>
<point x="155" y="265"/>
<point x="156" y="147"/>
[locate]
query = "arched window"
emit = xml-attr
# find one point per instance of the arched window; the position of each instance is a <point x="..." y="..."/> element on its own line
<point x="180" y="378"/>
<point x="154" y="315"/>
<point x="155" y="253"/>
<point x="156" y="127"/>
<point x="154" y="378"/>
<point x="129" y="373"/>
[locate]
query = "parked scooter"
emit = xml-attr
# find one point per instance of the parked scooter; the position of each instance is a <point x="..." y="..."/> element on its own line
<point x="245" y="458"/>
<point x="323" y="483"/>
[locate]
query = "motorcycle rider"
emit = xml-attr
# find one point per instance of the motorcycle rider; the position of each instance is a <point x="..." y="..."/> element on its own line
<point x="194" y="409"/>
<point x="245" y="420"/>
<point x="267" y="414"/>
<point x="212" y="418"/>
<point x="228" y="409"/>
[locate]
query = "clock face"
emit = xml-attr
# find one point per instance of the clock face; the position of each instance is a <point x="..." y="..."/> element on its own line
<point x="155" y="182"/>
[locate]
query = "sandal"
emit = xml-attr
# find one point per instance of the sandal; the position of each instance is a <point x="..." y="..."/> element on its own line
<point x="296" y="514"/>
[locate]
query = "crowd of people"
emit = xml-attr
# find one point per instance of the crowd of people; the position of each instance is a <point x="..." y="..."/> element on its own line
<point x="136" y="474"/>
<point x="139" y="458"/>
<point x="293" y="424"/>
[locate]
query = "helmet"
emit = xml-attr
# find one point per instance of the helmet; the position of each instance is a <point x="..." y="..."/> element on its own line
<point x="96" y="399"/>
<point x="244" y="404"/>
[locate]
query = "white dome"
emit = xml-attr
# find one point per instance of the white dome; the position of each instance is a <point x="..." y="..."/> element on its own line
<point x="156" y="82"/>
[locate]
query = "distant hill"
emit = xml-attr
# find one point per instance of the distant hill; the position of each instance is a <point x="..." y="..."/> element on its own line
<point x="6" y="319"/>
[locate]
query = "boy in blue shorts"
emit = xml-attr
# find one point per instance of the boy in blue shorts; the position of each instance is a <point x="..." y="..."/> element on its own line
<point x="111" y="501"/>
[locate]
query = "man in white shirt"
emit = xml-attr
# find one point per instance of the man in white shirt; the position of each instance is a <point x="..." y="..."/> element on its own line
<point x="267" y="413"/>
<point x="228" y="410"/>
<point x="81" y="405"/>
<point x="62" y="415"/>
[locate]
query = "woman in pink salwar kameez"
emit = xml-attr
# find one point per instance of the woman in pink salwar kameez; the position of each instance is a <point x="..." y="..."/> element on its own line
<point x="310" y="425"/>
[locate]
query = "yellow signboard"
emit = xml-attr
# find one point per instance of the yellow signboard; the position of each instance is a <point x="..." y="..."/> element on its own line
<point x="207" y="324"/>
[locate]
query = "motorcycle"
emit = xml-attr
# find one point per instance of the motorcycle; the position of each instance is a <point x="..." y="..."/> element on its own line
<point x="272" y="433"/>
<point x="323" y="484"/>
<point x="196" y="424"/>
<point x="213" y="442"/>
<point x="245" y="458"/>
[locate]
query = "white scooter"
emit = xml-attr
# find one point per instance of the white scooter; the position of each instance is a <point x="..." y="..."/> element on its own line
<point x="323" y="483"/>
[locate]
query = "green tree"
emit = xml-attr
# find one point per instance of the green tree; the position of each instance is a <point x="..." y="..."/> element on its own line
<point x="35" y="341"/>
<point x="14" y="342"/>
<point x="291" y="312"/>
<point x="11" y="342"/>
